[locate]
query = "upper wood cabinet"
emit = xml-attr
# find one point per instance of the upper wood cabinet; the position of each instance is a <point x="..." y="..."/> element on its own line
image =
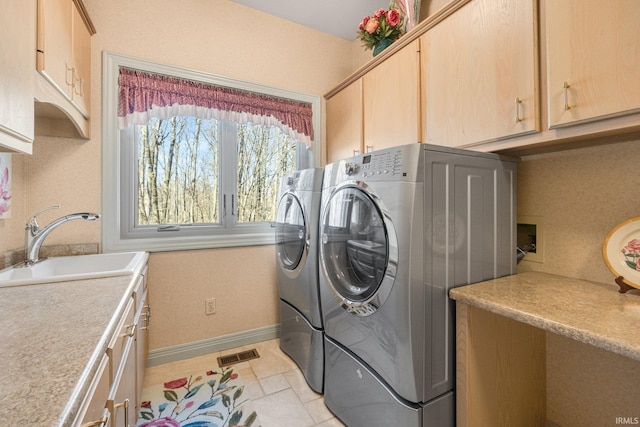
<point x="344" y="134"/>
<point x="63" y="61"/>
<point x="593" y="59"/>
<point x="479" y="73"/>
<point x="391" y="95"/>
<point x="18" y="35"/>
<point x="379" y="110"/>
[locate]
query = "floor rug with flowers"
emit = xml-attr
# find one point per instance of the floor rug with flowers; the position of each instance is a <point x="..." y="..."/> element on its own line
<point x="211" y="399"/>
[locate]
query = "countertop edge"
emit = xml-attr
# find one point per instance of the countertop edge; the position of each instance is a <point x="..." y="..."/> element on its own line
<point x="70" y="411"/>
<point x="586" y="336"/>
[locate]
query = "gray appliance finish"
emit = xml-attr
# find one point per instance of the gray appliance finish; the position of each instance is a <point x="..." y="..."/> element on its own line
<point x="296" y="236"/>
<point x="399" y="228"/>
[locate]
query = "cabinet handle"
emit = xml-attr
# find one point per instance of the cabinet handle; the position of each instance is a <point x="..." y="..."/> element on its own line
<point x="125" y="405"/>
<point x="67" y="80"/>
<point x="147" y="317"/>
<point x="565" y="95"/>
<point x="79" y="85"/>
<point x="518" y="102"/>
<point x="131" y="330"/>
<point x="103" y="422"/>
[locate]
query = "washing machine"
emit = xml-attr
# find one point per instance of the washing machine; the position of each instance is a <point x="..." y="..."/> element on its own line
<point x="399" y="228"/>
<point x="296" y="237"/>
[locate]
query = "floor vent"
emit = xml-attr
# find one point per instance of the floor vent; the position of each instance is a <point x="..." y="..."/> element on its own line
<point x="243" y="356"/>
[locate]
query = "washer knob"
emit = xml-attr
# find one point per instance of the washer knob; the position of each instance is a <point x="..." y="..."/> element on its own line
<point x="350" y="168"/>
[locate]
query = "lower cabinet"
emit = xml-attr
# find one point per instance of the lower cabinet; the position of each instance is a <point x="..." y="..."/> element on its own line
<point x="93" y="411"/>
<point x="500" y="370"/>
<point x="122" y="397"/>
<point x="113" y="398"/>
<point x="128" y="356"/>
<point x="143" y="318"/>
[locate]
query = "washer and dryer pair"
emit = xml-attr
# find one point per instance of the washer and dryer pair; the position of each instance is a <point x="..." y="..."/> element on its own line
<point x="296" y="235"/>
<point x="368" y="249"/>
<point x="399" y="228"/>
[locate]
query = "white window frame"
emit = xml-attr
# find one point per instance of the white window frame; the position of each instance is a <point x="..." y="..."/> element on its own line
<point x="114" y="199"/>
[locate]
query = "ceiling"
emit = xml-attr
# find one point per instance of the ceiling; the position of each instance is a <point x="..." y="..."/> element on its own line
<point x="337" y="17"/>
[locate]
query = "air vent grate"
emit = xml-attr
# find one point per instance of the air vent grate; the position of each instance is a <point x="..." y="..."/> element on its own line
<point x="242" y="356"/>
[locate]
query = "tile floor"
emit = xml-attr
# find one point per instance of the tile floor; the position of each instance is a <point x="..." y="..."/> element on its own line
<point x="275" y="385"/>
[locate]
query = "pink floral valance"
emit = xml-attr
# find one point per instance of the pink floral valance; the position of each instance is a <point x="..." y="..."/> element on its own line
<point x="142" y="95"/>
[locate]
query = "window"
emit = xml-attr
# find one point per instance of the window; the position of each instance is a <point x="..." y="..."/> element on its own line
<point x="184" y="181"/>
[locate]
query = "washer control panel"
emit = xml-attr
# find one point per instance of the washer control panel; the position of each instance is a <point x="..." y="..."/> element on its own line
<point x="391" y="164"/>
<point x="386" y="162"/>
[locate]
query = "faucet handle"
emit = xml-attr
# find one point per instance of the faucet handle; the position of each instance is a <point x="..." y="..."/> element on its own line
<point x="33" y="223"/>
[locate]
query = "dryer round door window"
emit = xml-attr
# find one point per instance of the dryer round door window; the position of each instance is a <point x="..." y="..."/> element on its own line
<point x="358" y="248"/>
<point x="291" y="234"/>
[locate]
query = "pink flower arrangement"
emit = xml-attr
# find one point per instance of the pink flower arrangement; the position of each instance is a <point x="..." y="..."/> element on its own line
<point x="383" y="24"/>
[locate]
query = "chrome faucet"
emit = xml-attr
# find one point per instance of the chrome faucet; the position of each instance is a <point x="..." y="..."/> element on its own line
<point x="34" y="235"/>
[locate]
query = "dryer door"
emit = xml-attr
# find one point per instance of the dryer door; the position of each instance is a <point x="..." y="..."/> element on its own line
<point x="358" y="249"/>
<point x="292" y="238"/>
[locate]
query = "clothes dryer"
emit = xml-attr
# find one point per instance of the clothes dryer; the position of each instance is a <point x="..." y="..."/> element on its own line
<point x="296" y="236"/>
<point x="399" y="228"/>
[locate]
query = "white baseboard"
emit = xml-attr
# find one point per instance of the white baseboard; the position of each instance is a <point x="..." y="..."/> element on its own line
<point x="211" y="345"/>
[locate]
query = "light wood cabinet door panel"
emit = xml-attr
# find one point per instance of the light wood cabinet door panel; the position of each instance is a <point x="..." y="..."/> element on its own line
<point x="81" y="63"/>
<point x="18" y="41"/>
<point x="63" y="62"/>
<point x="391" y="100"/>
<point x="593" y="47"/>
<point x="54" y="54"/>
<point x="479" y="70"/>
<point x="344" y="123"/>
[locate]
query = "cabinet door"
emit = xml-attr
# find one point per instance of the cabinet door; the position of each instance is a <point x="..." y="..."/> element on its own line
<point x="479" y="73"/>
<point x="143" y="318"/>
<point x="93" y="410"/>
<point x="391" y="100"/>
<point x="344" y="123"/>
<point x="17" y="33"/>
<point x="120" y="341"/>
<point x="54" y="55"/>
<point x="81" y="62"/>
<point x="122" y="399"/>
<point x="593" y="59"/>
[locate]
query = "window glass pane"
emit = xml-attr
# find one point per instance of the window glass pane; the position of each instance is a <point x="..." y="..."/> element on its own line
<point x="178" y="171"/>
<point x="265" y="155"/>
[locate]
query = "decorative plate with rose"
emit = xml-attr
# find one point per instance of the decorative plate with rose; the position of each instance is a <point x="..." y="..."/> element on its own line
<point x="621" y="251"/>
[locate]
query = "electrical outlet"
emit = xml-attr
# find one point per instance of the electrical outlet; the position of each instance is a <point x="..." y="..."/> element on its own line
<point x="210" y="306"/>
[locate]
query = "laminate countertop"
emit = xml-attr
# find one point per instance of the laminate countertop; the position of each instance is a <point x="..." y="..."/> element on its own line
<point x="590" y="312"/>
<point x="52" y="339"/>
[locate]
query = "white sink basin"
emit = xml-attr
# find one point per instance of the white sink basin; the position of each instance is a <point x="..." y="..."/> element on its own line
<point x="79" y="267"/>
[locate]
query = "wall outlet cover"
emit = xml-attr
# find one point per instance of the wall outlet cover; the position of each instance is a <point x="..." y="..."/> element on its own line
<point x="210" y="306"/>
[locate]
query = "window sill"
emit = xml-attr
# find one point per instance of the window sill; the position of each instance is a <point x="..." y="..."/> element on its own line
<point x="164" y="244"/>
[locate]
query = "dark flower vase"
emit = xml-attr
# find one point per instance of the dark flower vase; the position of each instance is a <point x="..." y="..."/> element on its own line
<point x="381" y="45"/>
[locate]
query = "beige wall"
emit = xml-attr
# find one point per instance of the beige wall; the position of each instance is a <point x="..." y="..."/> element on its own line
<point x="582" y="194"/>
<point x="242" y="280"/>
<point x="215" y="36"/>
